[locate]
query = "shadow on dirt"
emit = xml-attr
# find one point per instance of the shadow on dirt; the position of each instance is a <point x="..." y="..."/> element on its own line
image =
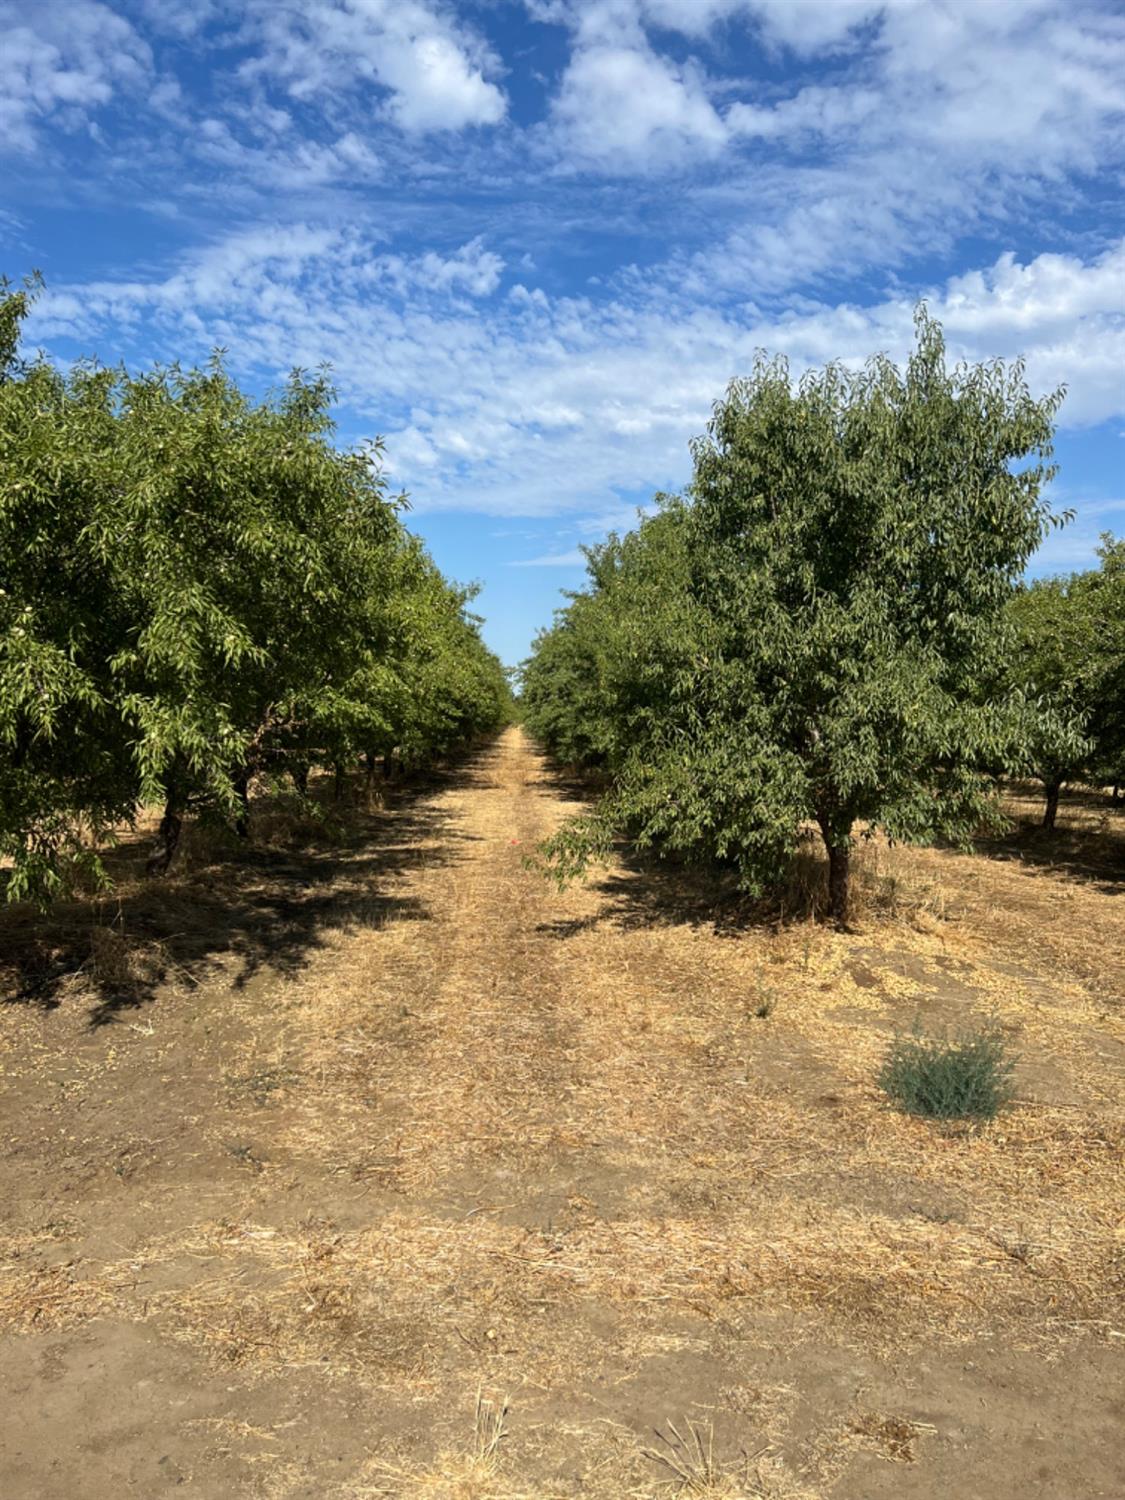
<point x="1087" y="843"/>
<point x="269" y="905"/>
<point x="656" y="893"/>
<point x="650" y="891"/>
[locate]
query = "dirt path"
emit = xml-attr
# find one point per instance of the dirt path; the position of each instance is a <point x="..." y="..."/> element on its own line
<point x="271" y="1234"/>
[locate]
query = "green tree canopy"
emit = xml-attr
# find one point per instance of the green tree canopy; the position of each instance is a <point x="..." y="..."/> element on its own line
<point x="194" y="585"/>
<point x="1069" y="656"/>
<point x="848" y="546"/>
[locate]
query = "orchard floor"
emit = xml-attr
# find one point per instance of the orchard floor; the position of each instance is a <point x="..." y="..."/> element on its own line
<point x="393" y="1129"/>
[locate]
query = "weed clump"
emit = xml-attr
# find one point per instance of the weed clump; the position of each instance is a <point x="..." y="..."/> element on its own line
<point x="968" y="1077"/>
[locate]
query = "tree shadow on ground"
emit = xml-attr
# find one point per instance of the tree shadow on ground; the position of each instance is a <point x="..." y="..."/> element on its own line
<point x="1087" y="843"/>
<point x="647" y="890"/>
<point x="268" y="907"/>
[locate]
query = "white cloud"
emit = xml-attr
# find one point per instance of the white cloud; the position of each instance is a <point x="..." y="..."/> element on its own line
<point x="803" y="26"/>
<point x="812" y="111"/>
<point x="472" y="269"/>
<point x="551" y="406"/>
<point x="627" y="109"/>
<point x="435" y="85"/>
<point x="434" y="68"/>
<point x="276" y="280"/>
<point x="824" y="150"/>
<point x="809" y="26"/>
<point x="939" y="120"/>
<point x="573" y="559"/>
<point x="61" y="62"/>
<point x="181" y="18"/>
<point x="1034" y="85"/>
<point x="1052" y="292"/>
<point x="286" y="160"/>
<point x="955" y="119"/>
<point x="1030" y="86"/>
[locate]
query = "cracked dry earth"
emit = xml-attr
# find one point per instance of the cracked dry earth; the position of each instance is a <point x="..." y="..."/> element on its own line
<point x="460" y="1139"/>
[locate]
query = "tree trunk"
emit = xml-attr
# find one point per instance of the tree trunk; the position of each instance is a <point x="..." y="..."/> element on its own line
<point x="388" y="765"/>
<point x="338" y="784"/>
<point x="1050" y="812"/>
<point x="839" y="891"/>
<point x="371" y="798"/>
<point x="241" y="781"/>
<point x="168" y="837"/>
<point x="838" y="841"/>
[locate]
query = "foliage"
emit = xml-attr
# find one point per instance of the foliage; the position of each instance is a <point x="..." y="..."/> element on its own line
<point x="1070" y="656"/>
<point x="198" y="587"/>
<point x="968" y="1078"/>
<point x="65" y="766"/>
<point x="814" y="632"/>
<point x="600" y="677"/>
<point x="1107" y="719"/>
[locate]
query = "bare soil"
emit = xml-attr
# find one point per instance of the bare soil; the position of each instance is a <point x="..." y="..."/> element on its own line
<point x="382" y="1168"/>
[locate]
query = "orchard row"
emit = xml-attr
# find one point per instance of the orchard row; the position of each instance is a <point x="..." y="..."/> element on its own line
<point x="199" y="589"/>
<point x="830" y="627"/>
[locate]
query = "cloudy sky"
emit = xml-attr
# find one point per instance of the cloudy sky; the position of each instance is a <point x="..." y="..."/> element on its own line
<point x="536" y="238"/>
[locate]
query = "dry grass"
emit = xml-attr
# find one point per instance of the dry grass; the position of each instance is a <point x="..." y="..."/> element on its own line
<point x="689" y="1457"/>
<point x="44" y="1289"/>
<point x="473" y="1475"/>
<point x="344" y="1304"/>
<point x="563" y="1144"/>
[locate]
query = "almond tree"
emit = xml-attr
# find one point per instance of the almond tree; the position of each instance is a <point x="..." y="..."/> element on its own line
<point x="195" y="586"/>
<point x="1070" y="656"/>
<point x="255" y="560"/>
<point x="851" y="541"/>
<point x="66" y="770"/>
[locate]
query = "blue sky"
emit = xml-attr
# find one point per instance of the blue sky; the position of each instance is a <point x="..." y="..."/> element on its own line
<point x="536" y="238"/>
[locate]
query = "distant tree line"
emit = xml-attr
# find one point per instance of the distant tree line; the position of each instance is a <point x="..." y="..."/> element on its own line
<point x="197" y="589"/>
<point x="829" y="627"/>
<point x="1070" y="657"/>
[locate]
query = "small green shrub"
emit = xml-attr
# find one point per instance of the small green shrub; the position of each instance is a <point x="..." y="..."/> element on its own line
<point x="966" y="1078"/>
